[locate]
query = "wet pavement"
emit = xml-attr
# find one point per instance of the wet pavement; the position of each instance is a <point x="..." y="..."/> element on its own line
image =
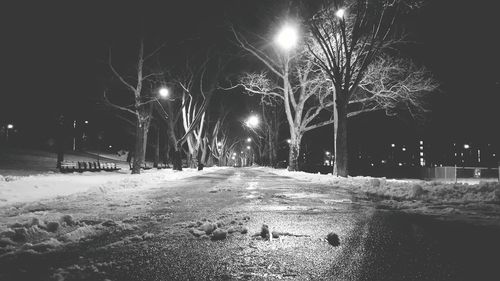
<point x="375" y="244"/>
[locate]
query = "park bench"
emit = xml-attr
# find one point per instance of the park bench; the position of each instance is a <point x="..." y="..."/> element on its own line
<point x="81" y="166"/>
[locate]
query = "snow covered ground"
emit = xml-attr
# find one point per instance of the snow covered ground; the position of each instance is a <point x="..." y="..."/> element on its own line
<point x="17" y="189"/>
<point x="474" y="199"/>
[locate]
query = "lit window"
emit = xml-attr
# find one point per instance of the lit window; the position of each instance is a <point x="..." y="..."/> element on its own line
<point x="421" y="154"/>
<point x="421" y="148"/>
<point x="421" y="142"/>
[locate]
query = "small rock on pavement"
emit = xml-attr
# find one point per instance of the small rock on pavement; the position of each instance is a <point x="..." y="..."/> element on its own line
<point x="197" y="232"/>
<point x="244" y="230"/>
<point x="333" y="239"/>
<point x="208" y="227"/>
<point x="219" y="234"/>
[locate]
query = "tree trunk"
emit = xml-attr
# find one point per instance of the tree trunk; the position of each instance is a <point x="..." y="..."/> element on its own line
<point x="340" y="139"/>
<point x="141" y="138"/>
<point x="293" y="155"/>
<point x="176" y="158"/>
<point x="157" y="148"/>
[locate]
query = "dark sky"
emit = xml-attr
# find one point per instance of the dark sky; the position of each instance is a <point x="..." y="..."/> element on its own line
<point x="52" y="53"/>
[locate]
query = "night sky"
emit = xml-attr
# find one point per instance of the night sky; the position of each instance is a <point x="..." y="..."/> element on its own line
<point x="52" y="57"/>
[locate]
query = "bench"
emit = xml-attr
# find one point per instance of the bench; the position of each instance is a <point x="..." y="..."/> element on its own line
<point x="81" y="166"/>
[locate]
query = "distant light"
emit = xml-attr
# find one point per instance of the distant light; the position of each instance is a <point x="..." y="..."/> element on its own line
<point x="494" y="155"/>
<point x="327" y="162"/>
<point x="393" y="145"/>
<point x="10" y="126"/>
<point x="421" y="148"/>
<point x="219" y="144"/>
<point x="340" y="13"/>
<point x="383" y="161"/>
<point x="86" y="122"/>
<point x="110" y="146"/>
<point x="289" y="141"/>
<point x="242" y="152"/>
<point x="252" y="121"/>
<point x="234" y="154"/>
<point x="249" y="139"/>
<point x="327" y="153"/>
<point x="248" y="147"/>
<point x="466" y="146"/>
<point x="400" y="164"/>
<point x="421" y="154"/>
<point x="373" y="164"/>
<point x="164" y="92"/>
<point x="403" y="149"/>
<point x="233" y="158"/>
<point x="422" y="142"/>
<point x="287" y="38"/>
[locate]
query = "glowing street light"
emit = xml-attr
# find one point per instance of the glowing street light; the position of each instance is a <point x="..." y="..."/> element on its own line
<point x="234" y="154"/>
<point x="340" y="13"/>
<point x="287" y="38"/>
<point x="249" y="139"/>
<point x="289" y="141"/>
<point x="248" y="147"/>
<point x="9" y="127"/>
<point x="466" y="146"/>
<point x="164" y="92"/>
<point x="252" y="121"/>
<point x="327" y="153"/>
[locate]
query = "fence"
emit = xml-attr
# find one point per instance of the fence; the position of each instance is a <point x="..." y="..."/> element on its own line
<point x="454" y="173"/>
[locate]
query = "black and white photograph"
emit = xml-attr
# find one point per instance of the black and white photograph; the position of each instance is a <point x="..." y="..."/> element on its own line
<point x="249" y="140"/>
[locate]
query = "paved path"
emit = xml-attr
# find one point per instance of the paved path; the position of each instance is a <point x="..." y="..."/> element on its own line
<point x="374" y="244"/>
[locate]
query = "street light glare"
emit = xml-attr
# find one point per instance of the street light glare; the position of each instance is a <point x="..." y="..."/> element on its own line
<point x="163" y="92"/>
<point x="10" y="126"/>
<point x="249" y="140"/>
<point x="252" y="121"/>
<point x="340" y="13"/>
<point x="287" y="38"/>
<point x="248" y="147"/>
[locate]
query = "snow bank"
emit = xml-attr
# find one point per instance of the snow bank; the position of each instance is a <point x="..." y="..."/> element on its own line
<point x="45" y="186"/>
<point x="404" y="189"/>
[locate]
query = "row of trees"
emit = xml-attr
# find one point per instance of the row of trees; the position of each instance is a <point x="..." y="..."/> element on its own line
<point x="345" y="61"/>
<point x="343" y="65"/>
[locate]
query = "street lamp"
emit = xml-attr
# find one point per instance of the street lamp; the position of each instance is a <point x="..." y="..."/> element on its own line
<point x="287" y="38"/>
<point x="289" y="141"/>
<point x="252" y="121"/>
<point x="340" y="13"/>
<point x="164" y="92"/>
<point x="9" y="127"/>
<point x="248" y="147"/>
<point x="249" y="139"/>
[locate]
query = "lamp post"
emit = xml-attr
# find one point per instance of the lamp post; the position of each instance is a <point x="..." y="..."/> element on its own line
<point x="9" y="127"/>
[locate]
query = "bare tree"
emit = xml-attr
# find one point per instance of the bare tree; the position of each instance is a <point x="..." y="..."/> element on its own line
<point x="298" y="82"/>
<point x="347" y="37"/>
<point x="393" y="85"/>
<point x="141" y="107"/>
